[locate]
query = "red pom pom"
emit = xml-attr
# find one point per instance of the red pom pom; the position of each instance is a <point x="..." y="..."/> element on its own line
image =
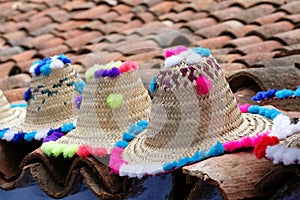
<point x="261" y="145"/>
<point x="84" y="151"/>
<point x="128" y="66"/>
<point x="100" y="152"/>
<point x="203" y="85"/>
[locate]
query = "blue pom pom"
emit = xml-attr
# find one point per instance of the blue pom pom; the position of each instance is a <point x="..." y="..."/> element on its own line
<point x="169" y="166"/>
<point x="297" y="92"/>
<point x="54" y="130"/>
<point x="79" y="86"/>
<point x="254" y="109"/>
<point x="216" y="150"/>
<point x="202" y="51"/>
<point x="274" y="114"/>
<point x="132" y="128"/>
<point x="143" y="123"/>
<point x="199" y="155"/>
<point x="67" y="127"/>
<point x="128" y="136"/>
<point x="64" y="58"/>
<point x="123" y="144"/>
<point x="262" y="111"/>
<point x="258" y="97"/>
<point x="37" y="70"/>
<point x="153" y="84"/>
<point x="183" y="161"/>
<point x="45" y="70"/>
<point x="269" y="94"/>
<point x="18" y="137"/>
<point x="27" y="94"/>
<point x="284" y="93"/>
<point x="46" y="60"/>
<point x="2" y="132"/>
<point x="29" y="136"/>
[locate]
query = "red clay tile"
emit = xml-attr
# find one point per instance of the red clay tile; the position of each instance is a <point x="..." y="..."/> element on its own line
<point x="147" y="56"/>
<point x="25" y="55"/>
<point x="271" y="18"/>
<point x="15" y="94"/>
<point x="239" y="42"/>
<point x="228" y="58"/>
<point x="43" y="13"/>
<point x="14" y="35"/>
<point x="269" y="30"/>
<point x="124" y="18"/>
<point x="108" y="17"/>
<point x="221" y="51"/>
<point x="219" y="5"/>
<point x="163" y="7"/>
<point x="251" y="3"/>
<point x="200" y="5"/>
<point x="25" y="15"/>
<point x="254" y="58"/>
<point x="215" y="42"/>
<point x="93" y="58"/>
<point x="53" y="42"/>
<point x="121" y="9"/>
<point x="290" y="37"/>
<point x="53" y="3"/>
<point x="56" y="50"/>
<point x="184" y="16"/>
<point x="7" y="52"/>
<point x="118" y="27"/>
<point x="227" y="13"/>
<point x="215" y="30"/>
<point x="59" y="16"/>
<point x="20" y="41"/>
<point x="5" y="68"/>
<point x="38" y="40"/>
<point x="77" y="5"/>
<point x="38" y="23"/>
<point x="92" y="25"/>
<point x="132" y="2"/>
<point x="266" y="46"/>
<point x="253" y="13"/>
<point x="93" y="13"/>
<point x="146" y="16"/>
<point x="293" y="18"/>
<point x="44" y="30"/>
<point x="82" y="39"/>
<point x="2" y="42"/>
<point x="292" y="7"/>
<point x="25" y="65"/>
<point x="9" y="26"/>
<point x="239" y="32"/>
<point x="15" y="81"/>
<point x="69" y="34"/>
<point x="200" y="23"/>
<point x="229" y="67"/>
<point x="70" y="25"/>
<point x="151" y="3"/>
<point x="287" y="61"/>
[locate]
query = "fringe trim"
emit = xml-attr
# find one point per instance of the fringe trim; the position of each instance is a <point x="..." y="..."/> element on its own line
<point x="280" y="153"/>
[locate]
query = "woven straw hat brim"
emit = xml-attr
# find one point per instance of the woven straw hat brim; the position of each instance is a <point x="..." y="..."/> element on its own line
<point x="287" y="104"/>
<point x="137" y="153"/>
<point x="16" y="116"/>
<point x="292" y="141"/>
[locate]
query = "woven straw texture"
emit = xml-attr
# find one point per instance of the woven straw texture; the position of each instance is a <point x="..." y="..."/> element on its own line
<point x="10" y="116"/>
<point x="98" y="124"/>
<point x="292" y="141"/>
<point x="51" y="103"/>
<point x="183" y="122"/>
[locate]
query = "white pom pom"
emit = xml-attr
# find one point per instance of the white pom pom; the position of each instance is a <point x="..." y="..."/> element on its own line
<point x="55" y="64"/>
<point x="172" y="61"/>
<point x="41" y="134"/>
<point x="32" y="67"/>
<point x="9" y="135"/>
<point x="193" y="59"/>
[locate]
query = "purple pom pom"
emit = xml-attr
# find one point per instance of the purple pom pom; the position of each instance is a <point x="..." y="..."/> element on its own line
<point x="77" y="101"/>
<point x="99" y="73"/>
<point x="105" y="73"/>
<point x="113" y="72"/>
<point x="54" y="136"/>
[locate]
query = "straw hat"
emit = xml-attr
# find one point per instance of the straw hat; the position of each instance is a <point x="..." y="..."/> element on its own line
<point x="194" y="113"/>
<point x="113" y="99"/>
<point x="10" y="116"/>
<point x="282" y="145"/>
<point x="50" y="96"/>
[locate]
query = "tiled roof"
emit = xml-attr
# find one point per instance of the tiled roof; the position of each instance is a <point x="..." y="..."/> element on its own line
<point x="257" y="42"/>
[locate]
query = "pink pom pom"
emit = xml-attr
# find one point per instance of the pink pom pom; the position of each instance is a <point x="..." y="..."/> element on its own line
<point x="203" y="85"/>
<point x="171" y="52"/>
<point x="128" y="66"/>
<point x="116" y="161"/>
<point x="100" y="152"/>
<point x="244" y="108"/>
<point x="84" y="151"/>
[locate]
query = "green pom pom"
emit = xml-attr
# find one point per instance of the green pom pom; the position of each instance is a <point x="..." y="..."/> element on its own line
<point x="114" y="100"/>
<point x="47" y="148"/>
<point x="58" y="149"/>
<point x="70" y="150"/>
<point x="114" y="64"/>
<point x="90" y="72"/>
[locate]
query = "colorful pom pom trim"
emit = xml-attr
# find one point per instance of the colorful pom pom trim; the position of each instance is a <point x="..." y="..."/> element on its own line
<point x="275" y="94"/>
<point x="114" y="100"/>
<point x="9" y="134"/>
<point x="44" y="66"/>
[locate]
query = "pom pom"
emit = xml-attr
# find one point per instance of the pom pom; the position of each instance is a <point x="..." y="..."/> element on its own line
<point x="116" y="160"/>
<point x="2" y="132"/>
<point x="254" y="109"/>
<point x="172" y="61"/>
<point x="100" y="152"/>
<point x="176" y="51"/>
<point x="153" y="84"/>
<point x="143" y="124"/>
<point x="29" y="136"/>
<point x="34" y="65"/>
<point x="216" y="150"/>
<point x="47" y="147"/>
<point x="90" y="72"/>
<point x="244" y="108"/>
<point x="202" y="51"/>
<point x="203" y="85"/>
<point x="56" y="64"/>
<point x="18" y="137"/>
<point x="121" y="144"/>
<point x="297" y="92"/>
<point x="64" y="58"/>
<point x="128" y="66"/>
<point x="284" y="93"/>
<point x="258" y="97"/>
<point x="84" y="151"/>
<point x="113" y="72"/>
<point x="70" y="151"/>
<point x="169" y="166"/>
<point x="270" y="93"/>
<point x="261" y="146"/>
<point x="67" y="127"/>
<point x="77" y="101"/>
<point x="45" y="70"/>
<point x="27" y="95"/>
<point x="37" y="70"/>
<point x="128" y="136"/>
<point x="53" y="137"/>
<point x="114" y="100"/>
<point x="79" y="86"/>
<point x="58" y="149"/>
<point x="98" y="74"/>
<point x="193" y="58"/>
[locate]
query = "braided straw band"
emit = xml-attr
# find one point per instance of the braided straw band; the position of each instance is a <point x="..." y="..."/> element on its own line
<point x="99" y="125"/>
<point x="182" y="122"/>
<point x="10" y="116"/>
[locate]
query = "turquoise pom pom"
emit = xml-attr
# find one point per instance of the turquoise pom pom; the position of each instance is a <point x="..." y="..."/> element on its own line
<point x="45" y="69"/>
<point x="153" y="84"/>
<point x="284" y="93"/>
<point x="123" y="144"/>
<point x="29" y="136"/>
<point x="128" y="136"/>
<point x="202" y="51"/>
<point x="297" y="92"/>
<point x="67" y="127"/>
<point x="79" y="86"/>
<point x="216" y="150"/>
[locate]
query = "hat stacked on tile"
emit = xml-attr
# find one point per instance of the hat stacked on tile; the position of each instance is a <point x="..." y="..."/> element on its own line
<point x="10" y="116"/>
<point x="114" y="98"/>
<point x="50" y="96"/>
<point x="194" y="116"/>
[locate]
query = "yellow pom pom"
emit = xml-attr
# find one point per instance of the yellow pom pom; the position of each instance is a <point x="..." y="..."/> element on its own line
<point x="114" y="100"/>
<point x="90" y="72"/>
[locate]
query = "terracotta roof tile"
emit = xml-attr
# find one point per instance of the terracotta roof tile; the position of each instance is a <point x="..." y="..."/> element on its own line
<point x="108" y="17"/>
<point x="292" y="7"/>
<point x="265" y="46"/>
<point x="124" y="18"/>
<point x="215" y="42"/>
<point x="163" y="7"/>
<point x="268" y="19"/>
<point x="55" y="50"/>
<point x="54" y="3"/>
<point x="121" y="9"/>
<point x="93" y="58"/>
<point x="227" y="13"/>
<point x="293" y="18"/>
<point x="132" y="2"/>
<point x="38" y="41"/>
<point x="254" y="58"/>
<point x="229" y="67"/>
<point x="172" y="38"/>
<point x="15" y="81"/>
<point x="146" y="16"/>
<point x="219" y="5"/>
<point x="7" y="52"/>
<point x="269" y="30"/>
<point x="9" y="26"/>
<point x="119" y="27"/>
<point x="290" y="37"/>
<point x="70" y="25"/>
<point x="92" y="25"/>
<point x="35" y="24"/>
<point x="82" y="39"/>
<point x="77" y="5"/>
<point x="5" y="68"/>
<point x="151" y="3"/>
<point x="228" y="58"/>
<point x="199" y="24"/>
<point x="93" y="13"/>
<point x="239" y="32"/>
<point x="25" y="55"/>
<point x="25" y="65"/>
<point x="14" y="35"/>
<point x="69" y="34"/>
<point x="15" y="94"/>
<point x="184" y="16"/>
<point x="243" y="41"/>
<point x="251" y="3"/>
<point x="217" y="29"/>
<point x="136" y="47"/>
<point x="44" y="29"/>
<point x="43" y="13"/>
<point x="25" y="15"/>
<point x="286" y="61"/>
<point x="59" y="16"/>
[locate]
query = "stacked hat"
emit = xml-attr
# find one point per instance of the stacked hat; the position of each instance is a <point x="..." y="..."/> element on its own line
<point x="282" y="145"/>
<point x="285" y="99"/>
<point x="53" y="87"/>
<point x="114" y="98"/>
<point x="8" y="115"/>
<point x="194" y="116"/>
